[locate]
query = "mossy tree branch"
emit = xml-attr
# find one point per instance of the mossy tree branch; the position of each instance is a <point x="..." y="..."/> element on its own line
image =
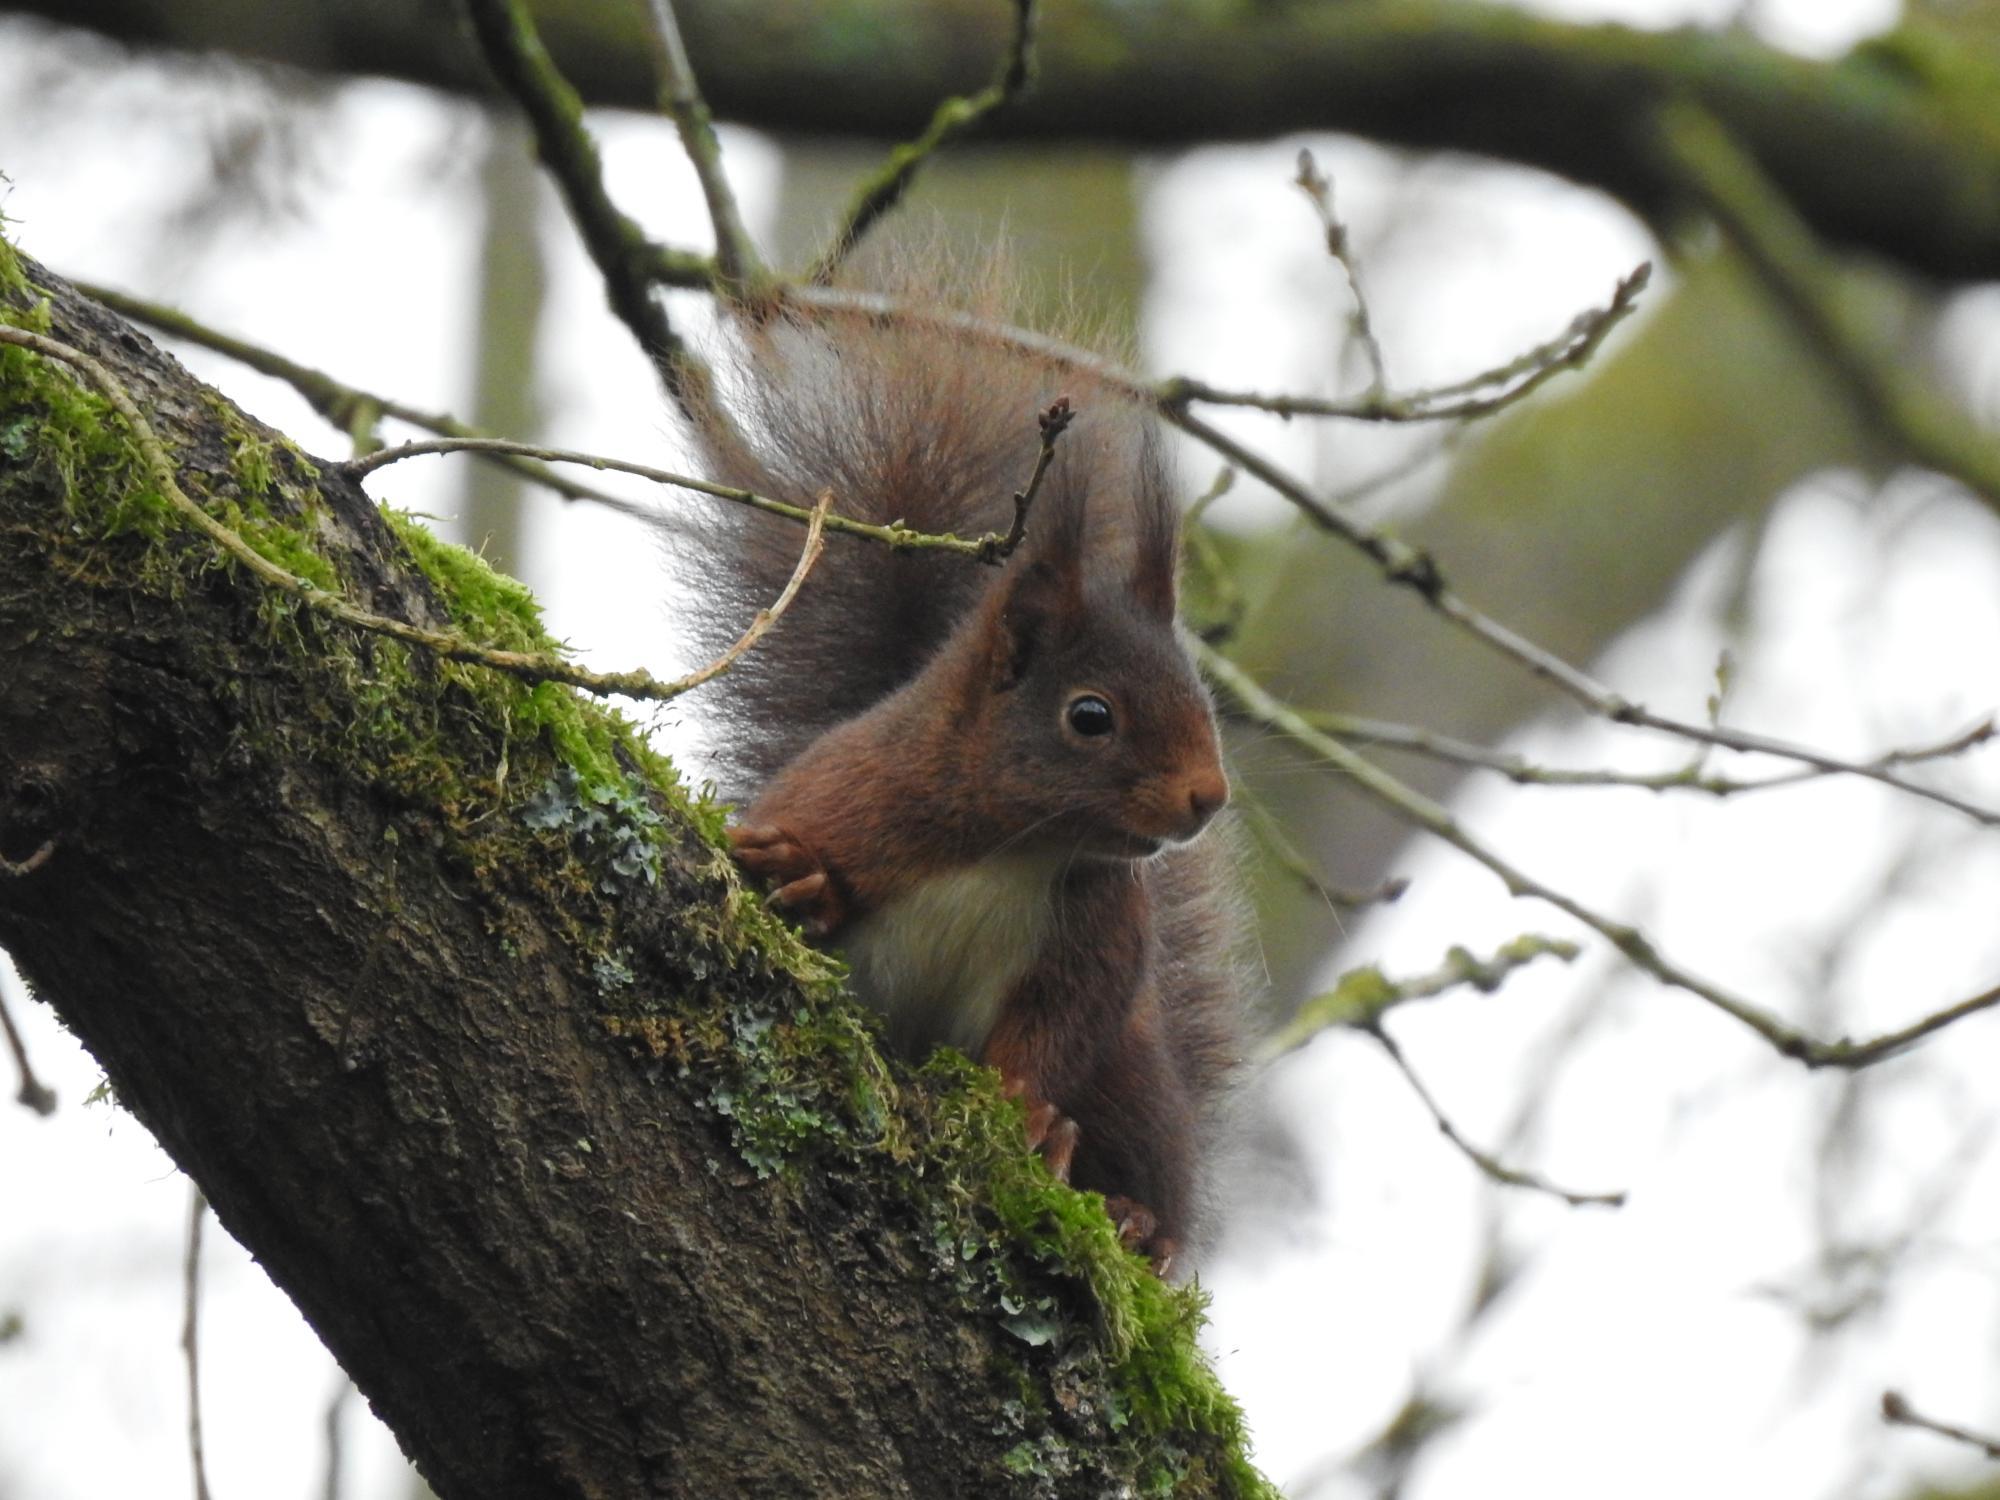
<point x="440" y="989"/>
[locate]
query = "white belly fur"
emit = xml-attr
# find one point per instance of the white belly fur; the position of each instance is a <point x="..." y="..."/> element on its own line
<point x="938" y="961"/>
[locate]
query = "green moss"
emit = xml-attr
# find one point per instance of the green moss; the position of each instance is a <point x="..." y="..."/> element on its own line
<point x="13" y="276"/>
<point x="72" y="434"/>
<point x="1142" y="1330"/>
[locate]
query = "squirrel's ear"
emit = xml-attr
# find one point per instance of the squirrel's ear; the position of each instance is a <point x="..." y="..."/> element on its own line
<point x="1041" y="606"/>
<point x="1156" y="557"/>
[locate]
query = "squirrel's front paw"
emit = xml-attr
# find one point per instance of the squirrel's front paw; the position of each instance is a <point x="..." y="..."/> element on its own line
<point x="799" y="883"/>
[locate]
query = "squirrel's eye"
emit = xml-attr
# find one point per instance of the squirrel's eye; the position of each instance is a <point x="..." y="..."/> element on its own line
<point x="1089" y="715"/>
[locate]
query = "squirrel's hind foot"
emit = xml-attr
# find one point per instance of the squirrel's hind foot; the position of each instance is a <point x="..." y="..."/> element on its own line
<point x="1050" y="1131"/>
<point x="1139" y="1230"/>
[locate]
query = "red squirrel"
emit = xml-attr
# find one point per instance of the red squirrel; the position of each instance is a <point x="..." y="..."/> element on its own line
<point x="986" y="786"/>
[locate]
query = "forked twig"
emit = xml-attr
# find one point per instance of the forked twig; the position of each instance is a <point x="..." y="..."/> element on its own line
<point x="1318" y="188"/>
<point x="1052" y="423"/>
<point x="1487" y="1163"/>
<point x="533" y="666"/>
<point x="680" y="97"/>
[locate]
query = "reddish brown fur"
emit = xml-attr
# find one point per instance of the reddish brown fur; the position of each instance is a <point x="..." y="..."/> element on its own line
<point x="910" y="717"/>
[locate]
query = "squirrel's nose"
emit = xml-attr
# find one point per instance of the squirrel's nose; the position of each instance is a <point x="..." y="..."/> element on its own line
<point x="1207" y="791"/>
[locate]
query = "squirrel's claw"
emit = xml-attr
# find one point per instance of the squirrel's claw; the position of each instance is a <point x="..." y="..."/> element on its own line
<point x="1050" y="1131"/>
<point x="800" y="884"/>
<point x="1139" y="1230"/>
<point x="1059" y="1146"/>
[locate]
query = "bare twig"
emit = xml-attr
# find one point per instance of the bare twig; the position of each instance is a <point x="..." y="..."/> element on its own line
<point x="37" y="1095"/>
<point x="351" y="409"/>
<point x="190" y="1336"/>
<point x="1052" y="424"/>
<point x="1729" y="184"/>
<point x="1898" y="1413"/>
<point x="1487" y="1163"/>
<point x="1364" y="995"/>
<point x="680" y="97"/>
<point x="1413" y="807"/>
<point x="1690" y="777"/>
<point x="1463" y="400"/>
<point x="1318" y="187"/>
<point x="766" y="618"/>
<point x="883" y="190"/>
<point x="529" y="665"/>
<point x="624" y="257"/>
<point x="902" y="538"/>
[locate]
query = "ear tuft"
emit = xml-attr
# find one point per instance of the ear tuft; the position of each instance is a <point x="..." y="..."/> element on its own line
<point x="1157" y="535"/>
<point x="1042" y="606"/>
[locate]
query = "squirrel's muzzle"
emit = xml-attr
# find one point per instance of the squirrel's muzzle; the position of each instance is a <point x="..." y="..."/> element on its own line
<point x="1204" y="794"/>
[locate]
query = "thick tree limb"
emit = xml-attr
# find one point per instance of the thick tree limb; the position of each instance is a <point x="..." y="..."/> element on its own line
<point x="450" y="1005"/>
<point x="1876" y="151"/>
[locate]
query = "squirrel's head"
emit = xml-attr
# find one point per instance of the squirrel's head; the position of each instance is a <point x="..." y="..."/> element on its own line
<point x="1090" y="717"/>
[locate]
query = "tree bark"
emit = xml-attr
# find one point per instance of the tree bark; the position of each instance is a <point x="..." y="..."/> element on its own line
<point x="446" y="999"/>
<point x="1889" y="150"/>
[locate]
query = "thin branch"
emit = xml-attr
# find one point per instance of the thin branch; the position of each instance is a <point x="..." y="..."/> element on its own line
<point x="901" y="538"/>
<point x="1288" y="857"/>
<point x="1461" y="401"/>
<point x="882" y="191"/>
<point x="1318" y="188"/>
<point x="347" y="407"/>
<point x="1898" y="1413"/>
<point x="736" y="255"/>
<point x="1487" y="1163"/>
<point x="624" y="257"/>
<point x="1413" y="807"/>
<point x="1052" y="424"/>
<point x="1363" y="996"/>
<point x="766" y="618"/>
<point x="1203" y="560"/>
<point x="336" y="1446"/>
<point x="1729" y="184"/>
<point x="528" y="665"/>
<point x="1414" y="568"/>
<point x="1690" y="777"/>
<point x="35" y="1094"/>
<point x="1419" y="458"/>
<point x="190" y="1336"/>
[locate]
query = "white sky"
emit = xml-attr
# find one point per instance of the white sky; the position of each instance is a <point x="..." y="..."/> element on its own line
<point x="1647" y="1349"/>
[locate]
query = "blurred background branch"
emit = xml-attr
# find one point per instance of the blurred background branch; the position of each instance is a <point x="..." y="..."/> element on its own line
<point x="1878" y="150"/>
